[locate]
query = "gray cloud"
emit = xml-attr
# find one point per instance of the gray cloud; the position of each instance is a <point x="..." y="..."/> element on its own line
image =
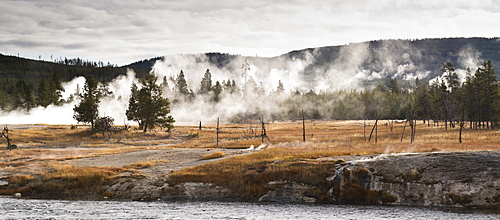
<point x="125" y="31"/>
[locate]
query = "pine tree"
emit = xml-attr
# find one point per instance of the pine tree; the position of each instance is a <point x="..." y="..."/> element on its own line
<point x="206" y="83"/>
<point x="422" y="100"/>
<point x="488" y="93"/>
<point x="4" y="99"/>
<point x="181" y="84"/>
<point x="22" y="95"/>
<point x="148" y="107"/>
<point x="43" y="97"/>
<point x="54" y="90"/>
<point x="451" y="77"/>
<point x="87" y="110"/>
<point x="468" y="98"/>
<point x="217" y="89"/>
<point x="234" y="87"/>
<point x="450" y="93"/>
<point x="165" y="88"/>
<point x="280" y="88"/>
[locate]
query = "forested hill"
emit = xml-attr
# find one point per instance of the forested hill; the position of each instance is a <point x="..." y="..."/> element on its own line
<point x="384" y="58"/>
<point x="14" y="68"/>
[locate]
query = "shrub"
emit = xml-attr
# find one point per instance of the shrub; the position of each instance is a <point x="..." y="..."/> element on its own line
<point x="104" y="125"/>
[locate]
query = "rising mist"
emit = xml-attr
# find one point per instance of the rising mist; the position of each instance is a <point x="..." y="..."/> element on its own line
<point x="354" y="67"/>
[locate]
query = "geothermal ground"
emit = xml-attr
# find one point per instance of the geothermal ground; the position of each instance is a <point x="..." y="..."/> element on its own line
<point x="73" y="161"/>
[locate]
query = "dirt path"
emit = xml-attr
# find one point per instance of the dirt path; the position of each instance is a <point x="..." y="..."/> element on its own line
<point x="169" y="159"/>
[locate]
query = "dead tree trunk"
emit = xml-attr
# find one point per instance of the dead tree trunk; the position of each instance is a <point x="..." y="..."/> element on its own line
<point x="374" y="126"/>
<point x="264" y="133"/>
<point x="462" y="124"/>
<point x="403" y="133"/>
<point x="5" y="134"/>
<point x="217" y="133"/>
<point x="364" y="129"/>
<point x="413" y="125"/>
<point x="303" y="127"/>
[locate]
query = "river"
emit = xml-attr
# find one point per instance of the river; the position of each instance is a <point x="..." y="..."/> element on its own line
<point x="61" y="209"/>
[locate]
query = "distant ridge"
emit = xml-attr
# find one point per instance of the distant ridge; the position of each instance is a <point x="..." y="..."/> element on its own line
<point x="422" y="55"/>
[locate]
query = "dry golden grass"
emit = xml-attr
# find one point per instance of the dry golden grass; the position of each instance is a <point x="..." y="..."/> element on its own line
<point x="250" y="174"/>
<point x="139" y="165"/>
<point x="215" y="155"/>
<point x="290" y="159"/>
<point x="71" y="172"/>
<point x="20" y="179"/>
<point x="41" y="148"/>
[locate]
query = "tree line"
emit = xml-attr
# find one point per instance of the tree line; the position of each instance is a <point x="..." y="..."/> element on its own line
<point x="447" y="99"/>
<point x="25" y="83"/>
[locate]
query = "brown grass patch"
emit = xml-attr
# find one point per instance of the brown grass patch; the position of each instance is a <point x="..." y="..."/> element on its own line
<point x="139" y="165"/>
<point x="215" y="155"/>
<point x="249" y="175"/>
<point x="72" y="182"/>
<point x="290" y="159"/>
<point x="287" y="158"/>
<point x="20" y="179"/>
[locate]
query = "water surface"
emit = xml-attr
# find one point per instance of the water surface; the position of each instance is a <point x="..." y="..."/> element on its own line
<point x="61" y="209"/>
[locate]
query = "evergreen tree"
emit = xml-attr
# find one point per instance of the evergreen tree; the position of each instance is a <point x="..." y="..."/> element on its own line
<point x="54" y="90"/>
<point x="280" y="88"/>
<point x="488" y="93"/>
<point x="452" y="80"/>
<point x="25" y="94"/>
<point x="450" y="93"/>
<point x="468" y="98"/>
<point x="43" y="97"/>
<point x="87" y="110"/>
<point x="57" y="82"/>
<point x="206" y="83"/>
<point x="165" y="88"/>
<point x="181" y="84"/>
<point x="422" y="100"/>
<point x="148" y="107"/>
<point x="234" y="87"/>
<point x="393" y="86"/>
<point x="217" y="89"/>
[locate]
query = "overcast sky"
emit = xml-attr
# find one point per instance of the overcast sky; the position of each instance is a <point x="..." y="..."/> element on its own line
<point x="123" y="32"/>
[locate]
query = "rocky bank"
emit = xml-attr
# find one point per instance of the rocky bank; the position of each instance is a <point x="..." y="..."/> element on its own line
<point x="438" y="179"/>
<point x="458" y="179"/>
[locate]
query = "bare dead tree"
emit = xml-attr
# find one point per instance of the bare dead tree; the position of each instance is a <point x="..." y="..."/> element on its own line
<point x="374" y="127"/>
<point x="217" y="133"/>
<point x="263" y="133"/>
<point x="5" y="134"/>
<point x="303" y="127"/>
<point x="404" y="128"/>
<point x="413" y="126"/>
<point x="462" y="124"/>
<point x="364" y="129"/>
